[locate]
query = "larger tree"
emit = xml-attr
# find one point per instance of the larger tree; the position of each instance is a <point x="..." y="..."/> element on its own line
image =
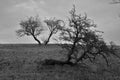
<point x="83" y="40"/>
<point x="31" y="27"/>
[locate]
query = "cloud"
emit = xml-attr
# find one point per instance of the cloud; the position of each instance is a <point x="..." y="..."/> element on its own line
<point x="103" y="13"/>
<point x="30" y="7"/>
<point x="12" y="15"/>
<point x="42" y="2"/>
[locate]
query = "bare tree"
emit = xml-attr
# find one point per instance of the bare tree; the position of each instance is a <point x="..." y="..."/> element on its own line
<point x="81" y="35"/>
<point x="53" y="26"/>
<point x="31" y="27"/>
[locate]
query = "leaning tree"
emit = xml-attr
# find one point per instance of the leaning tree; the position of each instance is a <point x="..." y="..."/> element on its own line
<point x="53" y="26"/>
<point x="31" y="27"/>
<point x="83" y="40"/>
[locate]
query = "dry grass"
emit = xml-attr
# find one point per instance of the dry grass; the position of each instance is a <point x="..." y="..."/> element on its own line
<point x="18" y="62"/>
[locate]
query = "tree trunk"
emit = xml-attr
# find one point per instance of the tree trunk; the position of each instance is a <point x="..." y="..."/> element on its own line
<point x="71" y="52"/>
<point x="73" y="47"/>
<point x="36" y="39"/>
<point x="48" y="38"/>
<point x="81" y="57"/>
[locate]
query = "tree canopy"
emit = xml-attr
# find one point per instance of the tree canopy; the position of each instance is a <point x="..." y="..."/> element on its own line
<point x="81" y="34"/>
<point x="31" y="27"/>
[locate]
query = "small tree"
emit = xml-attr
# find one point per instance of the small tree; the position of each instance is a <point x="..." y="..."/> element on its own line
<point x="81" y="35"/>
<point x="30" y="27"/>
<point x="53" y="26"/>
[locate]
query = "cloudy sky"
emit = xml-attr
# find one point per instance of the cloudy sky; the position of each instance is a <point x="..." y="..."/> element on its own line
<point x="105" y="15"/>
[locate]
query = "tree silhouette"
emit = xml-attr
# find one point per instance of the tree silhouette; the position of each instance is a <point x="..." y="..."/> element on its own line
<point x="53" y="26"/>
<point x="31" y="27"/>
<point x="84" y="42"/>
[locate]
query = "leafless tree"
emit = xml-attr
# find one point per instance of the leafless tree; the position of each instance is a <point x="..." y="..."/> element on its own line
<point x="53" y="26"/>
<point x="31" y="27"/>
<point x="82" y="35"/>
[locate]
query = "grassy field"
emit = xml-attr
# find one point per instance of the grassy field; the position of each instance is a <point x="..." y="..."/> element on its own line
<point x="19" y="62"/>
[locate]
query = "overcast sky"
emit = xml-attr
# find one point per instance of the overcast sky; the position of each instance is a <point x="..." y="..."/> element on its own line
<point x="105" y="15"/>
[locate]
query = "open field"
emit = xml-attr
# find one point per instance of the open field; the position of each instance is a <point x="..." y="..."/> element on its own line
<point x="19" y="62"/>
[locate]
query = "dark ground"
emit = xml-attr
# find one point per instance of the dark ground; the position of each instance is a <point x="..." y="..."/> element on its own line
<point x="19" y="62"/>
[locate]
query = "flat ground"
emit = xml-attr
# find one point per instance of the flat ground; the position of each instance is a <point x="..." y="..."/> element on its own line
<point x="19" y="62"/>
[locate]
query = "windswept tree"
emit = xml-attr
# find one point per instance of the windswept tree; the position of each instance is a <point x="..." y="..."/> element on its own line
<point x="83" y="40"/>
<point x="31" y="27"/>
<point x="53" y="25"/>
